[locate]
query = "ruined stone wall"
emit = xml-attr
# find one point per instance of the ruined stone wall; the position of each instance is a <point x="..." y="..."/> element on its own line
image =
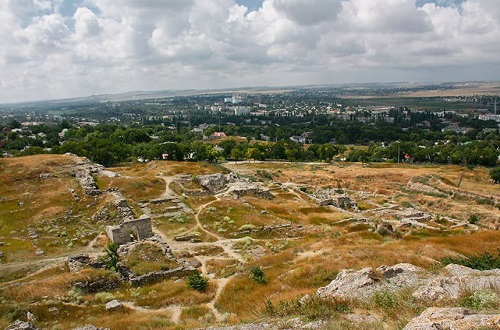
<point x="130" y="230"/>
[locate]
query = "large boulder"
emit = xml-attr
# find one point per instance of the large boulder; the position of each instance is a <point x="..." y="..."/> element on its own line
<point x="21" y="325"/>
<point x="114" y="305"/>
<point x="453" y="318"/>
<point x="90" y="327"/>
<point x="364" y="283"/>
<point x="461" y="279"/>
<point x="350" y="283"/>
<point x="426" y="286"/>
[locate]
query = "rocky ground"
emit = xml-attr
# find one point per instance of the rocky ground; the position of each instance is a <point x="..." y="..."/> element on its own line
<point x="306" y="226"/>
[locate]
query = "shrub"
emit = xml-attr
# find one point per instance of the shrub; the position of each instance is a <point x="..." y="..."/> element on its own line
<point x="197" y="282"/>
<point x="482" y="261"/>
<point x="384" y="299"/>
<point x="480" y="300"/>
<point x="473" y="219"/>
<point x="257" y="275"/>
<point x="495" y="174"/>
<point x="112" y="257"/>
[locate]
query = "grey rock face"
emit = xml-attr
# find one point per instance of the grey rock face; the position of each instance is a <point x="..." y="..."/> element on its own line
<point x="364" y="283"/>
<point x="90" y="327"/>
<point x="21" y="325"/>
<point x="114" y="305"/>
<point x="452" y="318"/>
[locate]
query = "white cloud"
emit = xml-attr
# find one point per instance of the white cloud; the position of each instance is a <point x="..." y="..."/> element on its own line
<point x="111" y="46"/>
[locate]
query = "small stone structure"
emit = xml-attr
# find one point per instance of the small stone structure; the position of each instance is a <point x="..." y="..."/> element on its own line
<point x="130" y="230"/>
<point x="216" y="182"/>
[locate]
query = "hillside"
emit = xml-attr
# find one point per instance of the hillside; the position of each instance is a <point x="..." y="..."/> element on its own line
<point x="300" y="224"/>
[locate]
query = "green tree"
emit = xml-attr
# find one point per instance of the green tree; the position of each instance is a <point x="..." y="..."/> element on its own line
<point x="495" y="174"/>
<point x="253" y="153"/>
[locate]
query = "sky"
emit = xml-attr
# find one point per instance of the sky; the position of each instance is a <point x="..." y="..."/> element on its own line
<point x="69" y="48"/>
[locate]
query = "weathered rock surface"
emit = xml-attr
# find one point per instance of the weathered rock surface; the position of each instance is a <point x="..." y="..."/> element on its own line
<point x="232" y="185"/>
<point x="453" y="318"/>
<point x="216" y="182"/>
<point x="87" y="182"/>
<point x="21" y="325"/>
<point x="114" y="305"/>
<point x="364" y="283"/>
<point x="455" y="280"/>
<point x="90" y="327"/>
<point x="461" y="279"/>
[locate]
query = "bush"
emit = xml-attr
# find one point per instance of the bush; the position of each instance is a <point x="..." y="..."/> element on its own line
<point x="480" y="300"/>
<point x="482" y="261"/>
<point x="257" y="275"/>
<point x="473" y="219"/>
<point x="197" y="282"/>
<point x="112" y="257"/>
<point x="495" y="174"/>
<point x="384" y="299"/>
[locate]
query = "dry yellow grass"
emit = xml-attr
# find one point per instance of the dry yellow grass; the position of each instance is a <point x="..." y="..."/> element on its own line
<point x="292" y="266"/>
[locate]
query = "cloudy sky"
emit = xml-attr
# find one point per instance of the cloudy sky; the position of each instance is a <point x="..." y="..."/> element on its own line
<point x="67" y="48"/>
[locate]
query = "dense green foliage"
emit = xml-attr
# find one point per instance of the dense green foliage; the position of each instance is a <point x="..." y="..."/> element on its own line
<point x="257" y="274"/>
<point x="163" y="129"/>
<point x="197" y="282"/>
<point x="495" y="174"/>
<point x="112" y="257"/>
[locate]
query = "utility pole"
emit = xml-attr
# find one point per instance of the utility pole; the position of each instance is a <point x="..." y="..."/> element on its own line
<point x="219" y="121"/>
<point x="398" y="142"/>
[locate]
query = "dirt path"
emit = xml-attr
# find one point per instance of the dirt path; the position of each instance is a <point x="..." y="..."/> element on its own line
<point x="168" y="191"/>
<point x="223" y="243"/>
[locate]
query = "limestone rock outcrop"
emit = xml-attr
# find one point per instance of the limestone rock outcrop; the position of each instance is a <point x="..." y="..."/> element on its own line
<point x="21" y="325"/>
<point x="453" y="318"/>
<point x="425" y="286"/>
<point x="364" y="283"/>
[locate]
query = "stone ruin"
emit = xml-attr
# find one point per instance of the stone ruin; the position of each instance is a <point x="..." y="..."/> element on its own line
<point x="82" y="261"/>
<point x="218" y="182"/>
<point x="231" y="184"/>
<point x="130" y="230"/>
<point x="332" y="197"/>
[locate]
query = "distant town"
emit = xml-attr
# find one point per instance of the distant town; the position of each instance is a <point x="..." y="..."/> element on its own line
<point x="376" y="117"/>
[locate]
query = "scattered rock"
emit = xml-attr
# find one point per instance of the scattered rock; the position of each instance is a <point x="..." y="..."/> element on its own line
<point x="21" y="325"/>
<point x="90" y="327"/>
<point x="46" y="175"/>
<point x="87" y="182"/>
<point x="54" y="310"/>
<point x="186" y="238"/>
<point x="114" y="305"/>
<point x="74" y="194"/>
<point x="216" y="182"/>
<point x="453" y="318"/>
<point x="39" y="252"/>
